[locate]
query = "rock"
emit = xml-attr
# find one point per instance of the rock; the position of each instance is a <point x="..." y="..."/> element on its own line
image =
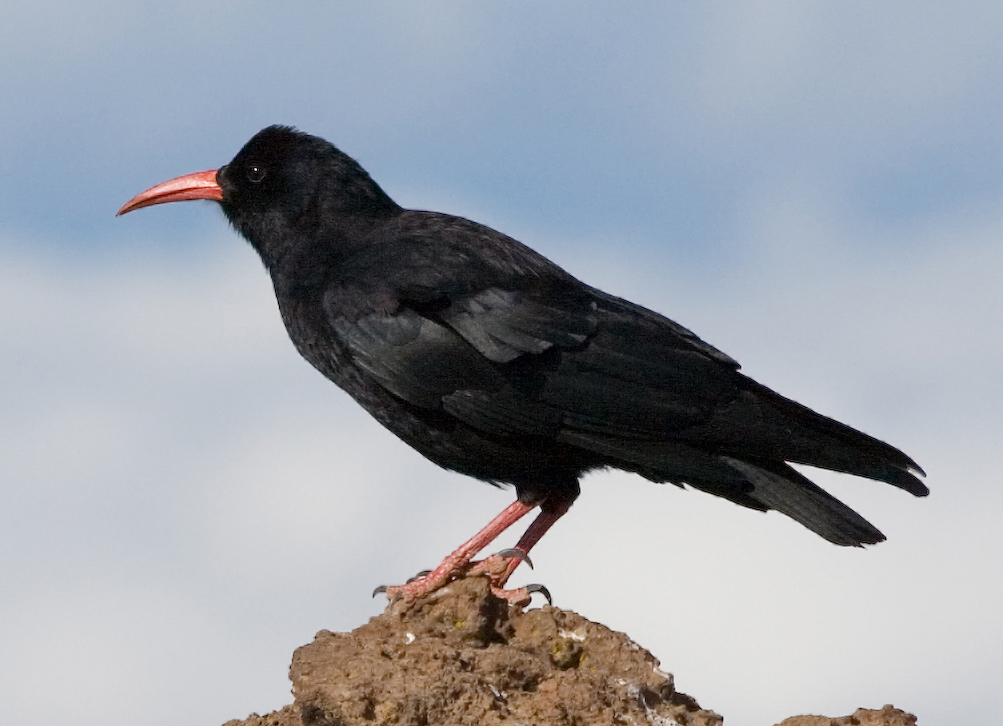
<point x="461" y="656"/>
<point x="887" y="716"/>
<point x="288" y="716"/>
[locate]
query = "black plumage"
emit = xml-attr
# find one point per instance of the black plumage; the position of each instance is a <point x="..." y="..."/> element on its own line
<point x="494" y="362"/>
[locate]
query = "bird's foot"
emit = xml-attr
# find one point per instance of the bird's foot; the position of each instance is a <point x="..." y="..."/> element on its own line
<point x="421" y="584"/>
<point x="520" y="597"/>
<point x="459" y="563"/>
<point x="497" y="568"/>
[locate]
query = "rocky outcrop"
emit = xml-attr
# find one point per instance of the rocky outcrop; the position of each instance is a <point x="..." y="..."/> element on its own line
<point x="463" y="657"/>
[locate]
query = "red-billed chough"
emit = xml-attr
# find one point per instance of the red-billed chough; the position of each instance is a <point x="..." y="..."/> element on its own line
<point x="492" y="361"/>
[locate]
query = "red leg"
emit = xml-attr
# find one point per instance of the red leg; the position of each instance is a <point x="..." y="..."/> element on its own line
<point x="500" y="569"/>
<point x="458" y="561"/>
<point x="539" y="527"/>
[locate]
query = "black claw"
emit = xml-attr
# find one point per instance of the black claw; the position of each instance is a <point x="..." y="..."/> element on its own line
<point x="420" y="575"/>
<point x="513" y="552"/>
<point x="540" y="589"/>
<point x="377" y="591"/>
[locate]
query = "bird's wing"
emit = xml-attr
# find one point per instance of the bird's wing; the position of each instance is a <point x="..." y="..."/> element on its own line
<point x="429" y="365"/>
<point x="413" y="357"/>
<point x="605" y="366"/>
<point x="492" y="333"/>
<point x="504" y="324"/>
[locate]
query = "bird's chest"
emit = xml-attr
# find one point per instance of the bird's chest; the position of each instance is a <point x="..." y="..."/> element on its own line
<point x="309" y="331"/>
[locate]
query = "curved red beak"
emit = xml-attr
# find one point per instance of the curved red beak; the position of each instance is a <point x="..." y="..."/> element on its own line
<point x="200" y="185"/>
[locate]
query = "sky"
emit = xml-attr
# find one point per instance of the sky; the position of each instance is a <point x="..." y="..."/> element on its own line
<point x="814" y="188"/>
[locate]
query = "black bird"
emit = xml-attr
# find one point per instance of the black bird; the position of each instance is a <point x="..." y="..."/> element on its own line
<point x="492" y="361"/>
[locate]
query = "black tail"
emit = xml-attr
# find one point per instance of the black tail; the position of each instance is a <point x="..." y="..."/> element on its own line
<point x="742" y="454"/>
<point x="780" y="487"/>
<point x="766" y="426"/>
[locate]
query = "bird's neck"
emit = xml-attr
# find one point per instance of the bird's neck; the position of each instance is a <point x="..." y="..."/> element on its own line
<point x="302" y="263"/>
<point x="283" y="241"/>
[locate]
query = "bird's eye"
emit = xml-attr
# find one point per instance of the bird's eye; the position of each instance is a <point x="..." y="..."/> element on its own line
<point x="255" y="173"/>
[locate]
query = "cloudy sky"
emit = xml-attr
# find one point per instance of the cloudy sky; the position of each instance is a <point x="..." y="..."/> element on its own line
<point x="814" y="188"/>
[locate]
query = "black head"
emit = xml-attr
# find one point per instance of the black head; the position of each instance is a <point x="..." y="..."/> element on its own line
<point x="285" y="182"/>
<point x="284" y="189"/>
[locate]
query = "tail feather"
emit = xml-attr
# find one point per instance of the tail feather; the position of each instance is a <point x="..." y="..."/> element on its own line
<point x="763" y="425"/>
<point x="751" y="482"/>
<point x="782" y="488"/>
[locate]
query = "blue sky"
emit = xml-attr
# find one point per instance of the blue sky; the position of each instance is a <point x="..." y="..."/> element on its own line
<point x="814" y="188"/>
